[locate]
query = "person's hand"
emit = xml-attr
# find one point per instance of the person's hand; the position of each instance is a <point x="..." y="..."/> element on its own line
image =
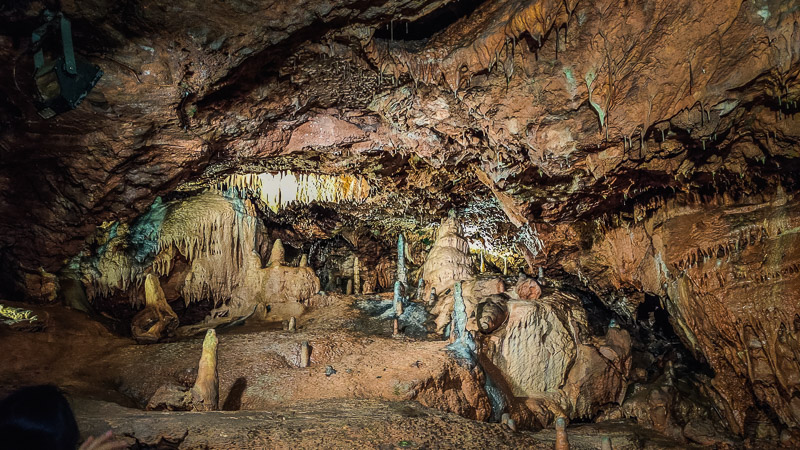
<point x="104" y="442"/>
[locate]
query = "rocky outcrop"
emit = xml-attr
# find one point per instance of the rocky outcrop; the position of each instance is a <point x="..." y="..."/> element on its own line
<point x="458" y="390"/>
<point x="547" y="356"/>
<point x="216" y="236"/>
<point x="726" y="270"/>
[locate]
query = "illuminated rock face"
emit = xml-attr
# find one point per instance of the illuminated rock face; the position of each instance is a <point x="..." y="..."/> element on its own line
<point x="549" y="358"/>
<point x="216" y="236"/>
<point x="277" y="190"/>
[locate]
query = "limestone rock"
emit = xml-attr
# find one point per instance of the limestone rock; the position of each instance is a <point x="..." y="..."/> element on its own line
<point x="547" y="356"/>
<point x="448" y="262"/>
<point x="528" y="289"/>
<point x="278" y="255"/>
<point x="599" y="374"/>
<point x="538" y="347"/>
<point x="40" y="286"/>
<point x="492" y="313"/>
<point x="205" y="392"/>
<point x="170" y="397"/>
<point x="157" y="320"/>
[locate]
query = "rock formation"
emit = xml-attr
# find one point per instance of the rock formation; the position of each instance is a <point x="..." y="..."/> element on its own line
<point x="448" y="262"/>
<point x="205" y="392"/>
<point x="638" y="153"/>
<point x="157" y="320"/>
<point x="548" y="357"/>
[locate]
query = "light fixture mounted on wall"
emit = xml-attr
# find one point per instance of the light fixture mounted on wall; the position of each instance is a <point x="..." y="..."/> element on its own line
<point x="61" y="80"/>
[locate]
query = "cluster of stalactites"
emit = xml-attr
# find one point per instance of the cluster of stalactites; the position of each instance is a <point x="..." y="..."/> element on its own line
<point x="455" y="62"/>
<point x="277" y="190"/>
<point x="207" y="227"/>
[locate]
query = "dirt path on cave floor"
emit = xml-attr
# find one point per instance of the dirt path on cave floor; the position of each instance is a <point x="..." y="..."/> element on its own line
<point x="273" y="403"/>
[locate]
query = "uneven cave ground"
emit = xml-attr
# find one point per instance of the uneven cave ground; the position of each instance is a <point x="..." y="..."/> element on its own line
<point x="587" y="212"/>
<point x="266" y="400"/>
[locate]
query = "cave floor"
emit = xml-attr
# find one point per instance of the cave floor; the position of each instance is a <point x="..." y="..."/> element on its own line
<point x="267" y="401"/>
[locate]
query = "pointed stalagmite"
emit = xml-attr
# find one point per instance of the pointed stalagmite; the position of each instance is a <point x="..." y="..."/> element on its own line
<point x="305" y="354"/>
<point x="402" y="276"/>
<point x="357" y="275"/>
<point x="303" y="261"/>
<point x="349" y="289"/>
<point x="562" y="443"/>
<point x="512" y="425"/>
<point x="205" y="392"/>
<point x="277" y="255"/>
<point x="483" y="264"/>
<point x="292" y="324"/>
<point x="420" y="289"/>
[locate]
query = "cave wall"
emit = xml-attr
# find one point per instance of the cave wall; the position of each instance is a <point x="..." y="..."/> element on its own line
<point x="726" y="270"/>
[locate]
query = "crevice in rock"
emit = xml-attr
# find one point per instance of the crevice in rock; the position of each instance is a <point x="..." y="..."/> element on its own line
<point x="428" y="25"/>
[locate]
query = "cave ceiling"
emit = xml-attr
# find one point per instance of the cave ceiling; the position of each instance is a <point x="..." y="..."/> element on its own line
<point x="557" y="111"/>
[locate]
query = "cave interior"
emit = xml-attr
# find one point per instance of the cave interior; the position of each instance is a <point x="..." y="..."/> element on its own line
<point x="422" y="224"/>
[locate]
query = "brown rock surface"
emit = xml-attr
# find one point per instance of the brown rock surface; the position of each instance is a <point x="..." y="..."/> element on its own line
<point x="726" y="272"/>
<point x="548" y="357"/>
<point x="645" y="148"/>
<point x="528" y="289"/>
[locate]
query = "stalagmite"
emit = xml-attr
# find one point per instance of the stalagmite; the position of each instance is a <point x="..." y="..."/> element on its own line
<point x="305" y="354"/>
<point x="357" y="275"/>
<point x="303" y="261"/>
<point x="483" y="264"/>
<point x="562" y="443"/>
<point x="449" y="261"/>
<point x="157" y="319"/>
<point x="402" y="276"/>
<point x="398" y="298"/>
<point x="349" y="289"/>
<point x="205" y="392"/>
<point x="432" y="299"/>
<point x="605" y="443"/>
<point x="512" y="425"/>
<point x="396" y="327"/>
<point x="276" y="258"/>
<point x="420" y="290"/>
<point x="292" y="324"/>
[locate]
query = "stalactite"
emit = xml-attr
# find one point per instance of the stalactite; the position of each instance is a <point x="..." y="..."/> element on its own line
<point x="278" y="190"/>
